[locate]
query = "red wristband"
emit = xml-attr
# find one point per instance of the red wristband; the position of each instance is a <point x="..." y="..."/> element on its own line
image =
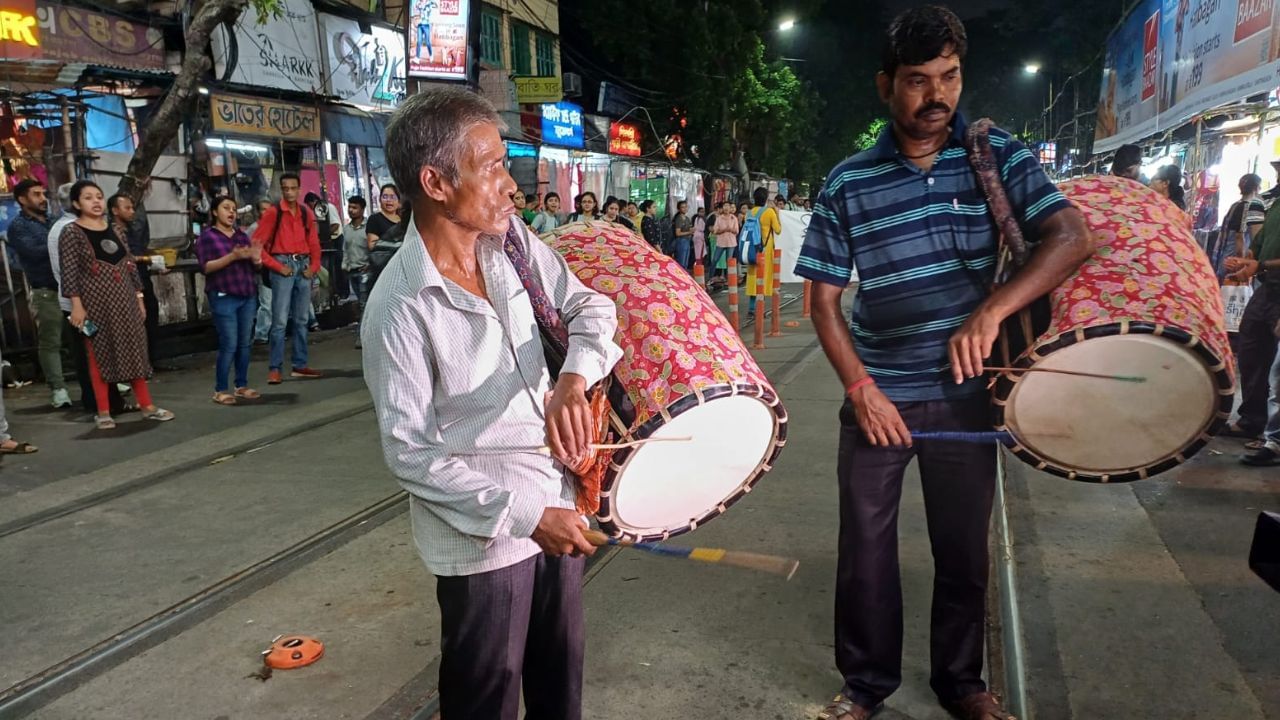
<point x="859" y="384"/>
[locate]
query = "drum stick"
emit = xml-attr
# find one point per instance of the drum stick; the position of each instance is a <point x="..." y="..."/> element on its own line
<point x="773" y="564"/>
<point x="546" y="449"/>
<point x="1076" y="373"/>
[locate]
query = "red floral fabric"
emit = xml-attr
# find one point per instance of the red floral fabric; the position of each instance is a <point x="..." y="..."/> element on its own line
<point x="673" y="336"/>
<point x="1147" y="266"/>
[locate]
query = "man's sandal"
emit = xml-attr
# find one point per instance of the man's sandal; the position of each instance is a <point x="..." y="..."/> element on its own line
<point x="979" y="706"/>
<point x="224" y="398"/>
<point x="17" y="448"/>
<point x="247" y="393"/>
<point x="842" y="708"/>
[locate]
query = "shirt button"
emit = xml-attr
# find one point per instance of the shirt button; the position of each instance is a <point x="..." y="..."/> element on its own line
<point x="930" y="181"/>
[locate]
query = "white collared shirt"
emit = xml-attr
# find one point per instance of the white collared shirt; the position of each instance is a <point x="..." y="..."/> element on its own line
<point x="459" y="385"/>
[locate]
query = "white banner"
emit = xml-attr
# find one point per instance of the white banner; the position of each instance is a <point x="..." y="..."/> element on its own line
<point x="794" y="225"/>
<point x="366" y="70"/>
<point x="283" y="53"/>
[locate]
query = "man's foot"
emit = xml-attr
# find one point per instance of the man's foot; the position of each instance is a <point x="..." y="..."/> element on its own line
<point x="305" y="372"/>
<point x="13" y="447"/>
<point x="259" y="341"/>
<point x="273" y="377"/>
<point x="60" y="399"/>
<point x="979" y="706"/>
<point x="1264" y="456"/>
<point x="842" y="708"/>
<point x="1237" y="430"/>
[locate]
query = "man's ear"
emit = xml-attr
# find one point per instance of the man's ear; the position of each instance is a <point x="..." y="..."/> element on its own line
<point x="434" y="183"/>
<point x="884" y="86"/>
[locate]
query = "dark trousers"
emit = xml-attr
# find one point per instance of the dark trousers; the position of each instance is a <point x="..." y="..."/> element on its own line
<point x="1256" y="343"/>
<point x="152" y="322"/>
<point x="959" y="484"/>
<point x="85" y="377"/>
<point x="522" y="622"/>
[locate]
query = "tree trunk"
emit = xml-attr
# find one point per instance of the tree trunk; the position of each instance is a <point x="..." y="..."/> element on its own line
<point x="164" y="123"/>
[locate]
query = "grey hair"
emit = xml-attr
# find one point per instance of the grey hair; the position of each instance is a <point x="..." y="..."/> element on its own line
<point x="429" y="129"/>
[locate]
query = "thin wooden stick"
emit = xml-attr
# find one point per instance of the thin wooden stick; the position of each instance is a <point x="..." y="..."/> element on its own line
<point x="773" y="564"/>
<point x="1076" y="373"/>
<point x="546" y="449"/>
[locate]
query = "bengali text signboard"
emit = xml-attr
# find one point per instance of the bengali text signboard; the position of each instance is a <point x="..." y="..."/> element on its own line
<point x="259" y="117"/>
<point x="538" y="90"/>
<point x="624" y="139"/>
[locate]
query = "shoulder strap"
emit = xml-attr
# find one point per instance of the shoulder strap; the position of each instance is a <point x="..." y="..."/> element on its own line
<point x="983" y="161"/>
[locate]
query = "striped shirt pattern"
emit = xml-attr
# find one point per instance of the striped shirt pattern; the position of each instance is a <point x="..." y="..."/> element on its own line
<point x="458" y="384"/>
<point x="923" y="246"/>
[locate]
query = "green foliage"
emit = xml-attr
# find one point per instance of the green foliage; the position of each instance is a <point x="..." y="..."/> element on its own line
<point x="267" y="9"/>
<point x="868" y="137"/>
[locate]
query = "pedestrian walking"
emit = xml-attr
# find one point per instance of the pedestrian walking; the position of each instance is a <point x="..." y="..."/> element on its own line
<point x="290" y="249"/>
<point x="231" y="266"/>
<point x="901" y="213"/>
<point x="497" y="527"/>
<point x="100" y="277"/>
<point x="9" y="446"/>
<point x="355" y="256"/>
<point x="28" y="235"/>
<point x="387" y="216"/>
<point x="548" y="218"/>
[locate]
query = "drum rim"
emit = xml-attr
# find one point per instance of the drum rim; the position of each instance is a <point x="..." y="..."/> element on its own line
<point x="618" y="463"/>
<point x="1220" y="372"/>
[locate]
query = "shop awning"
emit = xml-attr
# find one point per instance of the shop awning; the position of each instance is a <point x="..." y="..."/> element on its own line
<point x="353" y="127"/>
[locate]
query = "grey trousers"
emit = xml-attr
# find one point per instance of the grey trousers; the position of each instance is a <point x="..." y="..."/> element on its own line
<point x="521" y="623"/>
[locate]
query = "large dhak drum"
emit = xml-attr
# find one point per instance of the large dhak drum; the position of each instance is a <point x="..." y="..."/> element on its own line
<point x="686" y="374"/>
<point x="1146" y="305"/>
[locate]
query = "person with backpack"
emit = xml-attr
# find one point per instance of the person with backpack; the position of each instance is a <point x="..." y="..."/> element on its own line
<point x="759" y="231"/>
<point x="291" y="252"/>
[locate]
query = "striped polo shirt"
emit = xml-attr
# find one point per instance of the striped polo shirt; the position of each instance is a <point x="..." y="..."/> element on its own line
<point x="923" y="245"/>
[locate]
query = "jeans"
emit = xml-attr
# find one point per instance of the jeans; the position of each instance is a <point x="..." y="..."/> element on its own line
<point x="1257" y="343"/>
<point x="722" y="254"/>
<point x="262" y="326"/>
<point x="49" y="333"/>
<point x="233" y="319"/>
<point x="152" y="304"/>
<point x="359" y="283"/>
<point x="290" y="297"/>
<point x="424" y="39"/>
<point x="684" y="252"/>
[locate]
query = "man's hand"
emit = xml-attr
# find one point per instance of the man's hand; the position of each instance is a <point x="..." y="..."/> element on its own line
<point x="972" y="344"/>
<point x="1241" y="269"/>
<point x="287" y="271"/>
<point x="879" y="418"/>
<point x="569" y="419"/>
<point x="309" y="273"/>
<point x="559" y="532"/>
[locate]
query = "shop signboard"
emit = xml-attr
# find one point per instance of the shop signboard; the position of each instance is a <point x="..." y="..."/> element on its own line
<point x="1172" y="59"/>
<point x="259" y="117"/>
<point x="72" y="34"/>
<point x="562" y="124"/>
<point x="624" y="139"/>
<point x="365" y="69"/>
<point x="438" y="39"/>
<point x="538" y="90"/>
<point x="282" y="53"/>
<point x="19" y="35"/>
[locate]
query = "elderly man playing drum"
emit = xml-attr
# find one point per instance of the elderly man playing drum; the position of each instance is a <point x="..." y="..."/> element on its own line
<point x="465" y="402"/>
<point x="910" y="217"/>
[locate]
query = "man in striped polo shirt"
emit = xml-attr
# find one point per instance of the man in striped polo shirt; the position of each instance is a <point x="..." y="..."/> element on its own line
<point x="909" y="217"/>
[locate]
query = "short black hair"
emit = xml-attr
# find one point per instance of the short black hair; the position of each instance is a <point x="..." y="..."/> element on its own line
<point x="760" y="196"/>
<point x="1126" y="157"/>
<point x="550" y="195"/>
<point x="921" y="34"/>
<point x="114" y="201"/>
<point x="392" y="187"/>
<point x="357" y="200"/>
<point x="311" y="198"/>
<point x="1249" y="184"/>
<point x="24" y="187"/>
<point x="644" y="206"/>
<point x="290" y="176"/>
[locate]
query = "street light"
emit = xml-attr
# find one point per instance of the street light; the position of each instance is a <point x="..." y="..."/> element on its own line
<point x="786" y="25"/>
<point x="1031" y="68"/>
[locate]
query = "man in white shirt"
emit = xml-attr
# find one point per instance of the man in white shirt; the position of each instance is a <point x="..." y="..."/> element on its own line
<point x="465" y="402"/>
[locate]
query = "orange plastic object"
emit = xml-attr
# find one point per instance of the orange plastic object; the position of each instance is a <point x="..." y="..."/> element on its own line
<point x="292" y="651"/>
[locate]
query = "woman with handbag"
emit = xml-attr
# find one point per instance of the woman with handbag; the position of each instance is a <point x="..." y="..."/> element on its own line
<point x="100" y="276"/>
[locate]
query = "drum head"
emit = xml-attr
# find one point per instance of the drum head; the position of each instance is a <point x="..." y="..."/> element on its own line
<point x="1102" y="426"/>
<point x="669" y="487"/>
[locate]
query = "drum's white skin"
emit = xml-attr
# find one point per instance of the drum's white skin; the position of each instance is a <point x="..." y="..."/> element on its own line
<point x="665" y="485"/>
<point x="1109" y="426"/>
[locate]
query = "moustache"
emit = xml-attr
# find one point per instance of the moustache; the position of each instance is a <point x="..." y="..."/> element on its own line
<point x="930" y="108"/>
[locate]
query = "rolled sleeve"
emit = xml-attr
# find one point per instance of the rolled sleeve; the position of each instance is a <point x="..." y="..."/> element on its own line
<point x="1032" y="195"/>
<point x="826" y="255"/>
<point x="398" y="371"/>
<point x="590" y="317"/>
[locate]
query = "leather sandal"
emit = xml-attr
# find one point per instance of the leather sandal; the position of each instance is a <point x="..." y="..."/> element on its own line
<point x="842" y="708"/>
<point x="224" y="398"/>
<point x="979" y="706"/>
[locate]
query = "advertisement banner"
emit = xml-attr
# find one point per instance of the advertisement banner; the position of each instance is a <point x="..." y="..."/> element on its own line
<point x="1172" y="59"/>
<point x="19" y="36"/>
<point x="438" y="39"/>
<point x="364" y="69"/>
<point x="71" y="34"/>
<point x="562" y="124"/>
<point x="259" y="117"/>
<point x="538" y="90"/>
<point x="283" y="53"/>
<point x="624" y="139"/>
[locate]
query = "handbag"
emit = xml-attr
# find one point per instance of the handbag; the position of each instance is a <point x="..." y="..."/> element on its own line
<point x="1235" y="298"/>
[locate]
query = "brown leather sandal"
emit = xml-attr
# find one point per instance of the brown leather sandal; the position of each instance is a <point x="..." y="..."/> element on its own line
<point x="979" y="706"/>
<point x="842" y="708"/>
